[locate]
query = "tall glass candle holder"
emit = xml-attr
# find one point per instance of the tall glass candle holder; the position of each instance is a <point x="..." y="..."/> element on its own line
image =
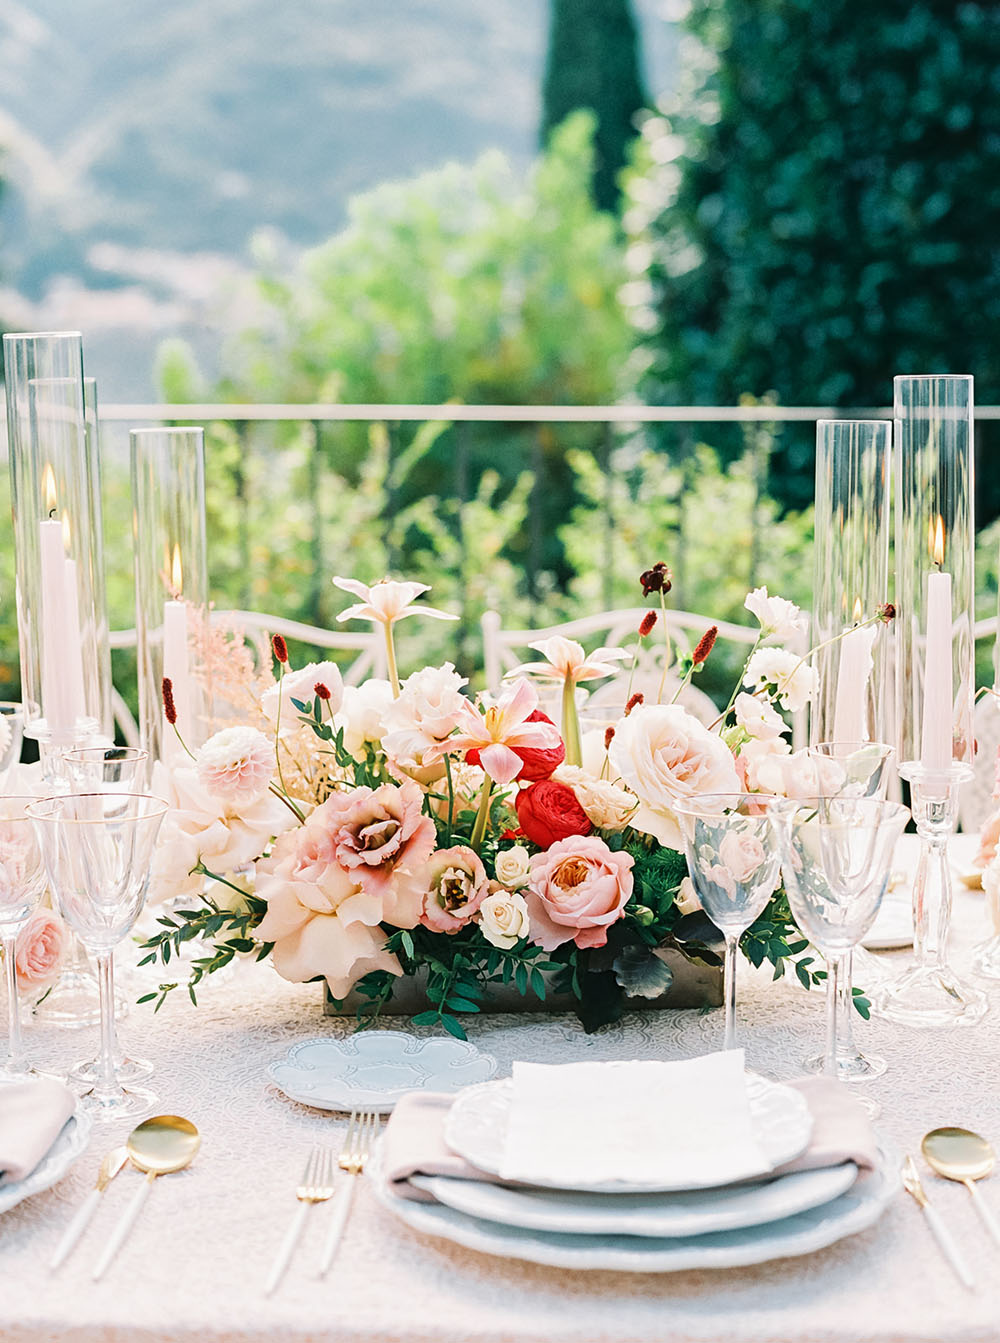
<point x="850" y="583"/>
<point x="171" y="584"/>
<point x="851" y="580"/>
<point x="58" y="544"/>
<point x="934" y="673"/>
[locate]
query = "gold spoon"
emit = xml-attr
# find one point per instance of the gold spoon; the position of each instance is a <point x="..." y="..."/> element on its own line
<point x="958" y="1154"/>
<point x="158" y="1146"/>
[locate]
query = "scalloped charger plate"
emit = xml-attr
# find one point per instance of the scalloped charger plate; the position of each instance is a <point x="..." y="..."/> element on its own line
<point x="70" y="1144"/>
<point x="373" y="1069"/>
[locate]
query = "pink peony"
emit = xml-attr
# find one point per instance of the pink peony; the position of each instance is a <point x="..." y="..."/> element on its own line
<point x="41" y="945"/>
<point x="236" y="765"/>
<point x="576" y="890"/>
<point x="455" y="883"/>
<point x="377" y="833"/>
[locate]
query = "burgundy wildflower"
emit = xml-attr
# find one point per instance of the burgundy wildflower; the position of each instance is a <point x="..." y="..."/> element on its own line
<point x="609" y="736"/>
<point x="169" y="707"/>
<point x="886" y="612"/>
<point x="647" y="624"/>
<point x="705" y="645"/>
<point x="321" y="691"/>
<point x="657" y="579"/>
<point x="634" y="701"/>
<point x="280" y="647"/>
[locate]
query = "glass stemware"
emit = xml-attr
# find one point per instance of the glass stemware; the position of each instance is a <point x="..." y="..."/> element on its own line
<point x="734" y="863"/>
<point x="106" y="769"/>
<point x="11" y="737"/>
<point x="98" y="848"/>
<point x="836" y="857"/>
<point x="860" y="769"/>
<point x="22" y="881"/>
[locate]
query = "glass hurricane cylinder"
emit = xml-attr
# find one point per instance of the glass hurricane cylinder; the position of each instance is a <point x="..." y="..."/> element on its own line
<point x="171" y="584"/>
<point x="934" y="672"/>
<point x="851" y="580"/>
<point x="58" y="543"/>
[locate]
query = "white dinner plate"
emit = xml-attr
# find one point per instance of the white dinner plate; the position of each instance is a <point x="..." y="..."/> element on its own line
<point x="807" y="1231"/>
<point x="70" y="1144"/>
<point x="373" y="1069"/>
<point x="692" y="1213"/>
<point x="476" y="1129"/>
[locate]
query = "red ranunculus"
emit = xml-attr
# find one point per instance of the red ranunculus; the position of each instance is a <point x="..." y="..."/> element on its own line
<point x="549" y="811"/>
<point x="538" y="763"/>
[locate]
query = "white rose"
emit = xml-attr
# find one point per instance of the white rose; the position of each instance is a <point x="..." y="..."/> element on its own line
<point x="665" y="756"/>
<point x="778" y="618"/>
<point x="757" y="718"/>
<point x="754" y="753"/>
<point x="425" y="713"/>
<point x="799" y="775"/>
<point x="512" y="866"/>
<point x="362" y="714"/>
<point x="686" y="900"/>
<point x="794" y="680"/>
<point x="236" y="765"/>
<point x="608" y="806"/>
<point x="301" y="685"/>
<point x="742" y="853"/>
<point x="503" y="918"/>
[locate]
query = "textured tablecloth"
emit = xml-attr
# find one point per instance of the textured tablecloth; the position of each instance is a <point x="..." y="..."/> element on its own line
<point x="196" y="1262"/>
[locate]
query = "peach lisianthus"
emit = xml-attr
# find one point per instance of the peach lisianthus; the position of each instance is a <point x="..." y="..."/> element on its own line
<point x="576" y="890"/>
<point x="376" y="833"/>
<point x="456" y="884"/>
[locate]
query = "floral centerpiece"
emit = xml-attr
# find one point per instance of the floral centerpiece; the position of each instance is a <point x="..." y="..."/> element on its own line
<point x="361" y="834"/>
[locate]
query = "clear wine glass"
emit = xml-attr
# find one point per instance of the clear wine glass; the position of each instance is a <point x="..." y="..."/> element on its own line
<point x="22" y="881"/>
<point x="107" y="769"/>
<point x="836" y="857"/>
<point x="11" y="737"/>
<point x="98" y="848"/>
<point x="734" y="862"/>
<point x="854" y="769"/>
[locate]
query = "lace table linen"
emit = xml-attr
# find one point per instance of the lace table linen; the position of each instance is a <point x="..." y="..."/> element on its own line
<point x="194" y="1266"/>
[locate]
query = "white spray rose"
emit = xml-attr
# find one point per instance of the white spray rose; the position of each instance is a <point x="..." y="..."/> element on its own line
<point x="503" y="918"/>
<point x="512" y="866"/>
<point x="795" y="682"/>
<point x="779" y="618"/>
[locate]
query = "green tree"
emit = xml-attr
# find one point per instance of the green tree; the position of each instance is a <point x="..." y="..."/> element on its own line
<point x="823" y="204"/>
<point x="593" y="62"/>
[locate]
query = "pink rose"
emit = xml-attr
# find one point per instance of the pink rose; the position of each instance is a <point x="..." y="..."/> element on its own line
<point x="41" y="944"/>
<point x="576" y="890"/>
<point x="742" y="853"/>
<point x="456" y="884"/>
<point x="378" y="833"/>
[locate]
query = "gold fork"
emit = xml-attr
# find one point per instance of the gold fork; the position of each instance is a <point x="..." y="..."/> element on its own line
<point x="361" y="1132"/>
<point x="316" y="1187"/>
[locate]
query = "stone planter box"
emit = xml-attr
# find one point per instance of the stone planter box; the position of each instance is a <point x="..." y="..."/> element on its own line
<point x="694" y="985"/>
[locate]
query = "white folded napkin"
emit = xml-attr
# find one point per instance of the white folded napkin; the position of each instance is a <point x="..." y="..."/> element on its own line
<point x="642" y="1123"/>
<point x="32" y="1114"/>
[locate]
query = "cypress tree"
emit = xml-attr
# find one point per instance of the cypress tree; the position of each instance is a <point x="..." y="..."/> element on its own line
<point x="593" y="62"/>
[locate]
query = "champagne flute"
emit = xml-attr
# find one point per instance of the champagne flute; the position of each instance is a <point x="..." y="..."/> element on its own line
<point x="22" y="881"/>
<point x="732" y="856"/>
<point x="107" y="769"/>
<point x="98" y="848"/>
<point x="836" y="857"/>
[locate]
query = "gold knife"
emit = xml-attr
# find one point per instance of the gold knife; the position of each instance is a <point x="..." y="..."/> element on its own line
<point x="110" y="1167"/>
<point x="912" y="1185"/>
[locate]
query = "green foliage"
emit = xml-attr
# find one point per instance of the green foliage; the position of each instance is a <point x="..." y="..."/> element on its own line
<point x="821" y="203"/>
<point x="593" y="62"/>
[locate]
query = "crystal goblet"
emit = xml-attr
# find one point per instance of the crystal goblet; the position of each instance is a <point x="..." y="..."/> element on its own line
<point x="836" y="857"/>
<point x="22" y="881"/>
<point x="734" y="863"/>
<point x="98" y="848"/>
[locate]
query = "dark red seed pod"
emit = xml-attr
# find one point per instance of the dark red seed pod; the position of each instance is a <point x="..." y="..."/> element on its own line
<point x="705" y="645"/>
<point x="321" y="691"/>
<point x="647" y="624"/>
<point x="169" y="708"/>
<point x="280" y="647"/>
<point x="609" y="736"/>
<point x="634" y="702"/>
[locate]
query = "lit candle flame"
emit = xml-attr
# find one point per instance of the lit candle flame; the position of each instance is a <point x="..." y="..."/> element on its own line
<point x="937" y="543"/>
<point x="858" y="610"/>
<point x="177" y="572"/>
<point x="49" y="489"/>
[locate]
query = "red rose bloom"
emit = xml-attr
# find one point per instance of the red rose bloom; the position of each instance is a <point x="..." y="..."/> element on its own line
<point x="538" y="762"/>
<point x="549" y="811"/>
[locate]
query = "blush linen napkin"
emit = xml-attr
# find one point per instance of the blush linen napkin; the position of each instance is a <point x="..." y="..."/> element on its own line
<point x="414" y="1141"/>
<point x="32" y="1114"/>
